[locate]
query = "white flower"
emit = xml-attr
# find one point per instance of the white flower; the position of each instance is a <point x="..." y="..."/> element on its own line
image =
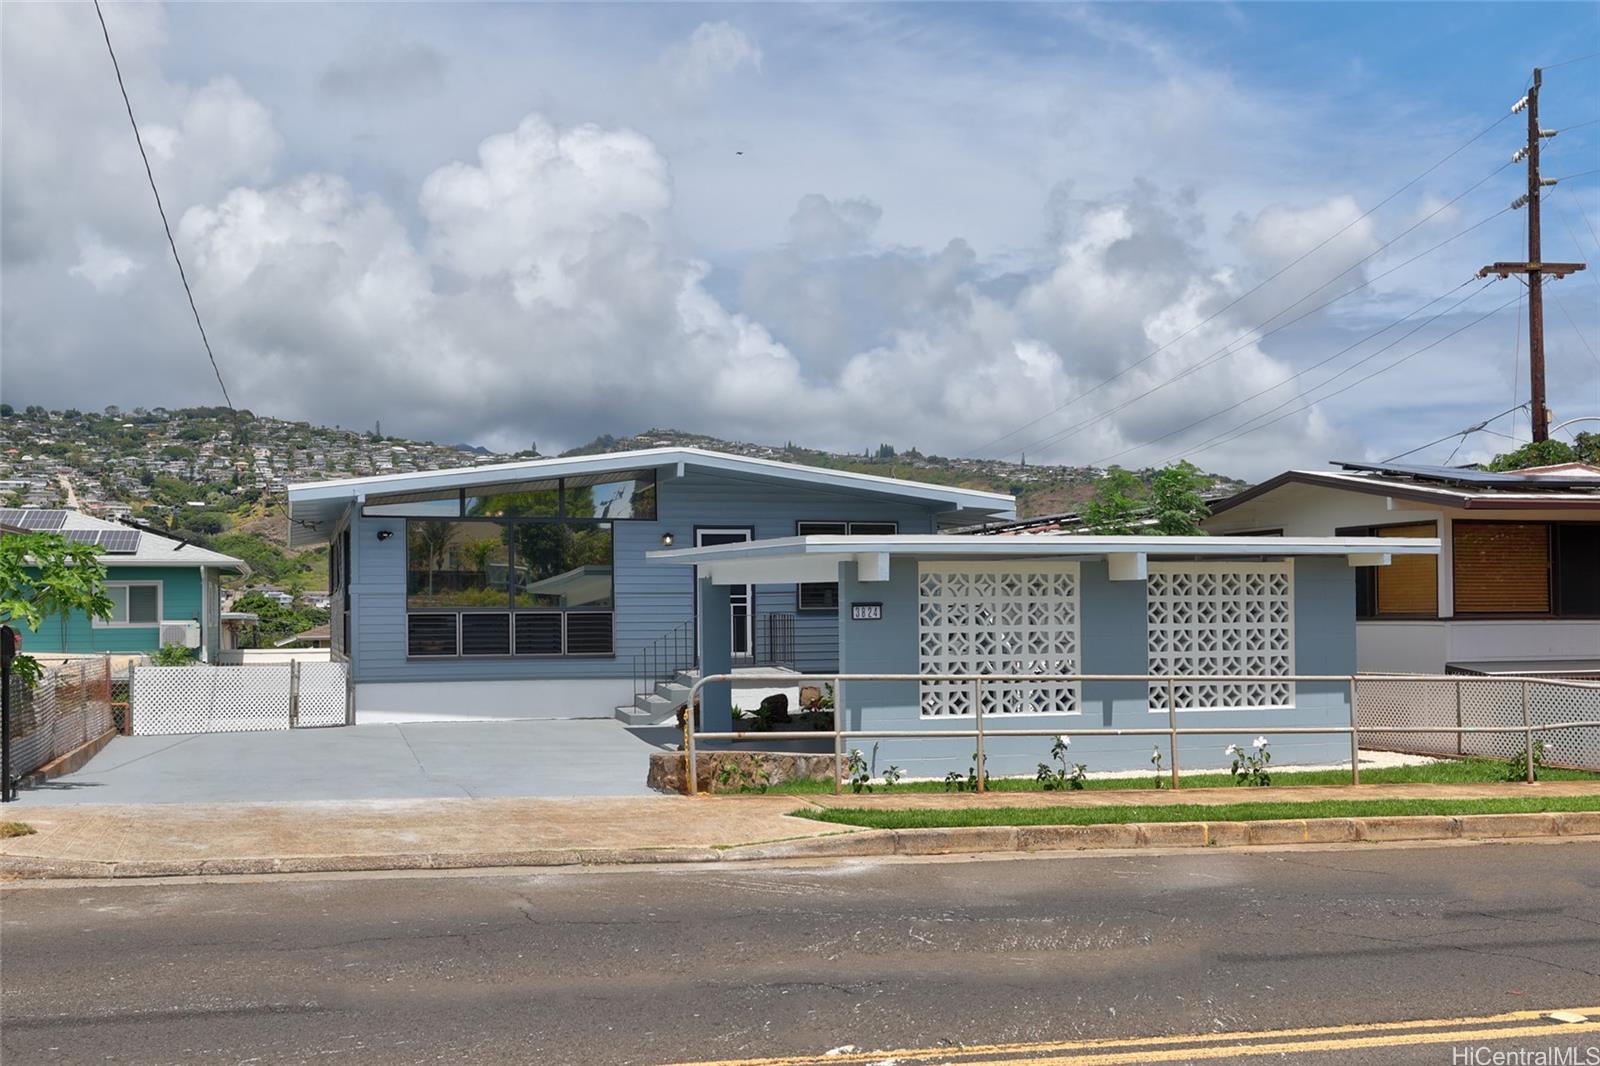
<point x="1259" y="743"/>
<point x="1064" y="740"/>
<point x="1231" y="749"/>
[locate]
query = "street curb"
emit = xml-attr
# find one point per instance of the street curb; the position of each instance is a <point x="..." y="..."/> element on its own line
<point x="867" y="843"/>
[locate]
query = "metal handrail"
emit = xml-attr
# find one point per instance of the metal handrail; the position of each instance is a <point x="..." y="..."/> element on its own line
<point x="1172" y="730"/>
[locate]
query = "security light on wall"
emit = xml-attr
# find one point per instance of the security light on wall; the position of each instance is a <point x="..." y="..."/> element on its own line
<point x="385" y="534"/>
<point x="666" y="540"/>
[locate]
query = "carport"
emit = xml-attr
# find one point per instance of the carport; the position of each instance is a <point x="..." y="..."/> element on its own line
<point x="574" y="757"/>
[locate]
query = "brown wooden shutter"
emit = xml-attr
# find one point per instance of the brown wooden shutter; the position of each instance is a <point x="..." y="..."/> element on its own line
<point x="1409" y="585"/>
<point x="1502" y="567"/>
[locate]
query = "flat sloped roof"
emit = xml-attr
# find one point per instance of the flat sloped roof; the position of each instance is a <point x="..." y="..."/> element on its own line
<point x="315" y="505"/>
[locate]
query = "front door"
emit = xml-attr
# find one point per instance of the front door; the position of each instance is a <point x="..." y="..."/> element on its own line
<point x="740" y="597"/>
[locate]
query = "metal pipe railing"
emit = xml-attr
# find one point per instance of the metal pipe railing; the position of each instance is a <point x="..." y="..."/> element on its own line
<point x="1171" y="730"/>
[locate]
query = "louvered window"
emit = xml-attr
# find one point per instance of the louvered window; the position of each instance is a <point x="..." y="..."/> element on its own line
<point x="1502" y="567"/>
<point x="1409" y="585"/>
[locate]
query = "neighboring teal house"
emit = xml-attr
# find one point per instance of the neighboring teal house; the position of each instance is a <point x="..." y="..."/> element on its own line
<point x="162" y="590"/>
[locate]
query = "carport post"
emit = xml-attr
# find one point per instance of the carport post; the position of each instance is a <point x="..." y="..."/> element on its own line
<point x="977" y="721"/>
<point x="1527" y="732"/>
<point x="1172" y="732"/>
<point x="838" y="736"/>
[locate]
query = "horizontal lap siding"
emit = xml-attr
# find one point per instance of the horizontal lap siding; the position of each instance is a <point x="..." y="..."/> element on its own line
<point x="180" y="602"/>
<point x="651" y="598"/>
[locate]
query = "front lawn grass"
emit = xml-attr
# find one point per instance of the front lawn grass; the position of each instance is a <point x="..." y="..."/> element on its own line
<point x="1448" y="772"/>
<point x="1188" y="812"/>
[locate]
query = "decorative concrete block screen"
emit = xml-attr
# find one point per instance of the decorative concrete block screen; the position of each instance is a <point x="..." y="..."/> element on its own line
<point x="998" y="618"/>
<point x="1221" y="620"/>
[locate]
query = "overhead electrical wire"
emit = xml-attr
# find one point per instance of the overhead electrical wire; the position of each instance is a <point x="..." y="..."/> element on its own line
<point x="1354" y="384"/>
<point x="1475" y="428"/>
<point x="1250" y="336"/>
<point x="1258" y="287"/>
<point x="167" y="226"/>
<point x="1103" y="460"/>
<point x="1244" y="339"/>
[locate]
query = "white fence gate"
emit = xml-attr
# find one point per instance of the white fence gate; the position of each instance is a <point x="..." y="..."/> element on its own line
<point x="227" y="699"/>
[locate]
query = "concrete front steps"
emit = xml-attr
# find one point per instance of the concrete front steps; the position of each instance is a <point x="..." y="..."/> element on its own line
<point x="660" y="706"/>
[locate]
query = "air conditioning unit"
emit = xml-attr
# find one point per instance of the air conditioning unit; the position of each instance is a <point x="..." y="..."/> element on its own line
<point x="183" y="634"/>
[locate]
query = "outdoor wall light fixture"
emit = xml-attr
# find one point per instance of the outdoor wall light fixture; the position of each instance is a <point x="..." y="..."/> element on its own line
<point x="385" y="534"/>
<point x="666" y="540"/>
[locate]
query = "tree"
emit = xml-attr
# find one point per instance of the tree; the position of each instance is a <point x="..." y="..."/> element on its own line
<point x="1176" y="502"/>
<point x="43" y="575"/>
<point x="1585" y="448"/>
<point x="1113" y="510"/>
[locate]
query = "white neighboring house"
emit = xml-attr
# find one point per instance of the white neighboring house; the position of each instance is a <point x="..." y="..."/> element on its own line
<point x="1515" y="587"/>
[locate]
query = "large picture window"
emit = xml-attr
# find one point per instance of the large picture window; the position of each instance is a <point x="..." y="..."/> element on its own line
<point x="515" y="568"/>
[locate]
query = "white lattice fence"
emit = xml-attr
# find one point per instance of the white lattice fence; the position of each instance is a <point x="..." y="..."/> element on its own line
<point x="228" y="699"/>
<point x="323" y="694"/>
<point x="1393" y="703"/>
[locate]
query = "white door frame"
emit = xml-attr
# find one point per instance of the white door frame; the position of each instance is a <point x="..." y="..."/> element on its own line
<point x="740" y="597"/>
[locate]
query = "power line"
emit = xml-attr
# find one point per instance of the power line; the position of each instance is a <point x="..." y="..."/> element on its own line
<point x="1359" y="381"/>
<point x="1245" y="339"/>
<point x="1475" y="428"/>
<point x="1267" y="281"/>
<point x="1579" y="174"/>
<point x="150" y="174"/>
<point x="1323" y="362"/>
<point x="1569" y="62"/>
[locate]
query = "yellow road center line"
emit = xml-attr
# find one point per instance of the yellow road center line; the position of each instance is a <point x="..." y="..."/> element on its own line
<point x="1388" y="1040"/>
<point x="1104" y="1043"/>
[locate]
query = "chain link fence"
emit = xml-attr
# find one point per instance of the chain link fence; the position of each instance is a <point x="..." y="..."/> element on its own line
<point x="1395" y="704"/>
<point x="69" y="707"/>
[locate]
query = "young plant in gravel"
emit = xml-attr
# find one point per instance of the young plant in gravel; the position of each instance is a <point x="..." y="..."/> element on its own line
<point x="860" y="775"/>
<point x="1063" y="775"/>
<point x="1251" y="767"/>
<point x="891" y="777"/>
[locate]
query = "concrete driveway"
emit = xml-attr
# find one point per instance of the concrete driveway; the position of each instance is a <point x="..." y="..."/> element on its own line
<point x="575" y="757"/>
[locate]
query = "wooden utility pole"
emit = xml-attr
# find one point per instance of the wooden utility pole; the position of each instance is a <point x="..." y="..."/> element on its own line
<point x="1535" y="268"/>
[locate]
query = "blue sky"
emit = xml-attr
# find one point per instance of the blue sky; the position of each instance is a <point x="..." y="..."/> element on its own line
<point x="927" y="224"/>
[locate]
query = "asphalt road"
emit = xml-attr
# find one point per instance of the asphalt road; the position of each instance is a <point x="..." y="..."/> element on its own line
<point x="655" y="965"/>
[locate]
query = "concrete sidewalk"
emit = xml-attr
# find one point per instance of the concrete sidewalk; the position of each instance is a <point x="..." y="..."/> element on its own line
<point x="180" y="839"/>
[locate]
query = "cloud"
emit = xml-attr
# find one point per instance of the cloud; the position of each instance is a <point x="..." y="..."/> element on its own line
<point x="383" y="71"/>
<point x="714" y="50"/>
<point x="100" y="264"/>
<point x="822" y="227"/>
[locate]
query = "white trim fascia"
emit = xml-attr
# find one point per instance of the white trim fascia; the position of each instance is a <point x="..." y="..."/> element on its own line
<point x="466" y="477"/>
<point x="1048" y="545"/>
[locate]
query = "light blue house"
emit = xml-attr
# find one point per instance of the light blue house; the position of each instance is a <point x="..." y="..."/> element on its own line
<point x="162" y="590"/>
<point x="1056" y="604"/>
<point x="522" y="589"/>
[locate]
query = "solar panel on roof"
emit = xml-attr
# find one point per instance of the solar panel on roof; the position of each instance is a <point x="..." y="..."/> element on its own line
<point x="1483" y="479"/>
<point x="83" y="536"/>
<point x="38" y="521"/>
<point x="120" y="541"/>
